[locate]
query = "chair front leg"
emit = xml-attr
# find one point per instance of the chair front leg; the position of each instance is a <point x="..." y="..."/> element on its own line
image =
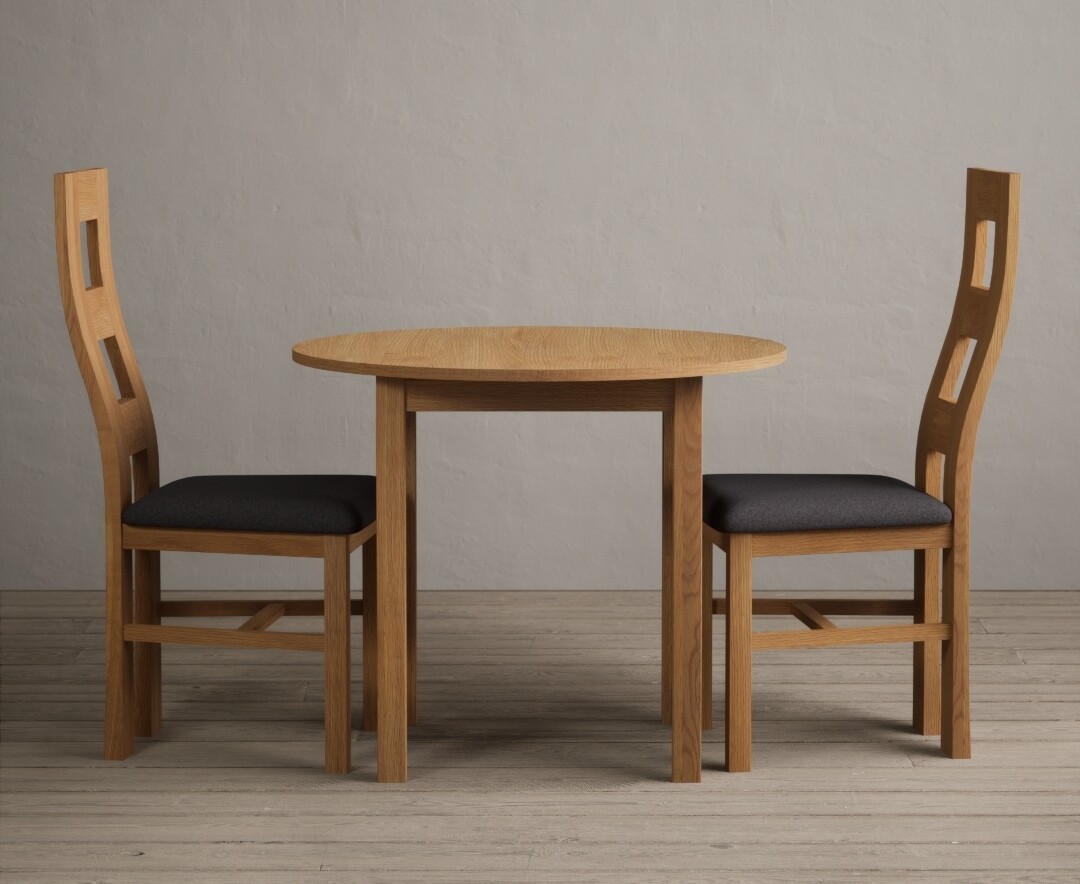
<point x="119" y="657"/>
<point x="336" y="636"/>
<point x="926" y="692"/>
<point x="739" y="621"/>
<point x="147" y="654"/>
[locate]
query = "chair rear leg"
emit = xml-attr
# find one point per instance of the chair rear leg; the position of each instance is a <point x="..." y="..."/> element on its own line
<point x="410" y="628"/>
<point x="739" y="622"/>
<point x="336" y="629"/>
<point x="119" y="657"/>
<point x="147" y="654"/>
<point x="667" y="637"/>
<point x="955" y="694"/>
<point x="371" y="636"/>
<point x="926" y="692"/>
<point x="410" y="564"/>
<point x="706" y="635"/>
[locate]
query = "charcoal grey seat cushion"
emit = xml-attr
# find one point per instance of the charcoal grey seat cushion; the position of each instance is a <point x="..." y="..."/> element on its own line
<point x="286" y="504"/>
<point x="747" y="503"/>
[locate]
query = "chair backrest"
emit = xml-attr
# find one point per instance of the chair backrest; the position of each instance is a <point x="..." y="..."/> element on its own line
<point x="954" y="403"/>
<point x="125" y="424"/>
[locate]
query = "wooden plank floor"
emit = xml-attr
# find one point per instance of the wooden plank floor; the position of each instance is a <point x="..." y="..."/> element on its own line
<point x="541" y="758"/>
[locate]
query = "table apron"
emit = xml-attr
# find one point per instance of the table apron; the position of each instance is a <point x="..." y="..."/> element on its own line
<point x="647" y="395"/>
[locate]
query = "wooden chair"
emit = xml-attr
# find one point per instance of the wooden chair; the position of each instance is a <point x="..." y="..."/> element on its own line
<point x="749" y="516"/>
<point x="323" y="517"/>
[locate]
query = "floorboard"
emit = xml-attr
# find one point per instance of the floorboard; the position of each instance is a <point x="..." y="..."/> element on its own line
<point x="540" y="757"/>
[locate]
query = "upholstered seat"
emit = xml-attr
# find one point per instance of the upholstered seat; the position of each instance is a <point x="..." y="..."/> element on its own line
<point x="752" y="503"/>
<point x="283" y="504"/>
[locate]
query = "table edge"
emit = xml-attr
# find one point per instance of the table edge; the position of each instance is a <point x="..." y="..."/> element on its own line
<point x="535" y="376"/>
<point x="562" y="375"/>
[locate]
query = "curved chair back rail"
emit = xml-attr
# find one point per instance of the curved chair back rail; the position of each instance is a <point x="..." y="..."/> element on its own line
<point x="950" y="418"/>
<point x="125" y="424"/>
<point x="944" y="455"/>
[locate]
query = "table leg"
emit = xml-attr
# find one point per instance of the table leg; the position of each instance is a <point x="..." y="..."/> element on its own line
<point x="392" y="538"/>
<point x="685" y="566"/>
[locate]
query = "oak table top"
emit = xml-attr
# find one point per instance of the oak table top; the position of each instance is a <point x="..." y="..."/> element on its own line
<point x="539" y="353"/>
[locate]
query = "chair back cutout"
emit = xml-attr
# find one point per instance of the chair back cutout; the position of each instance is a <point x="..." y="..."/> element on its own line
<point x="954" y="403"/>
<point x="125" y="423"/>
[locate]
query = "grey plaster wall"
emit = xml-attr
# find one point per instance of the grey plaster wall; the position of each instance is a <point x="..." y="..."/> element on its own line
<point x="288" y="169"/>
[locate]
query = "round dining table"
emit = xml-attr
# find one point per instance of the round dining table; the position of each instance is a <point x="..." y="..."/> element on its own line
<point x="536" y="368"/>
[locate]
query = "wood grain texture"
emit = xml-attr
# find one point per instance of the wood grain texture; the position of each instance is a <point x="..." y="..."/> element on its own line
<point x="737" y="668"/>
<point x="990" y="197"/>
<point x="649" y="395"/>
<point x="267" y="615"/>
<point x="706" y="636"/>
<point x="392" y="505"/>
<point x="248" y="607"/>
<point x="248" y="543"/>
<point x="666" y="562"/>
<point x="125" y="424"/>
<point x="686" y="604"/>
<point x="119" y="659"/>
<point x="850" y="635"/>
<point x="926" y="682"/>
<point x="840" y="606"/>
<point x="82" y="197"/>
<point x="226" y="638"/>
<point x="410" y="563"/>
<point x="804" y="543"/>
<point x="955" y="662"/>
<point x="811" y="616"/>
<point x="338" y="674"/>
<point x="539" y="353"/>
<point x="147" y="656"/>
<point x="951" y="413"/>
